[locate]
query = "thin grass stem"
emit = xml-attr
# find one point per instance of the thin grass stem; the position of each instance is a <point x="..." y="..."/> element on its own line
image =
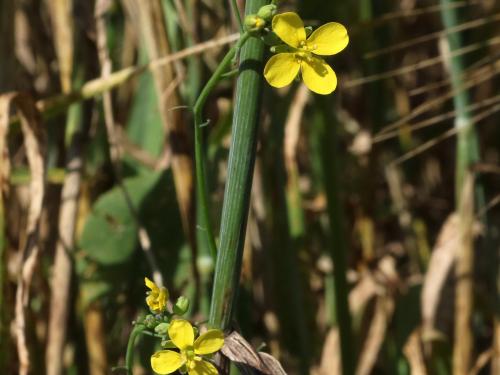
<point x="237" y="15"/>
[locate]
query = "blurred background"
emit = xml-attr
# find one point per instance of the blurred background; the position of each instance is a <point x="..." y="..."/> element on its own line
<point x="398" y="170"/>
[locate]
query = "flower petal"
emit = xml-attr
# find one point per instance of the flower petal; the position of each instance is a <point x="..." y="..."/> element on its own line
<point x="203" y="368"/>
<point x="166" y="361"/>
<point x="318" y="76"/>
<point x="290" y="28"/>
<point x="150" y="284"/>
<point x="329" y="39"/>
<point x="209" y="342"/>
<point x="281" y="69"/>
<point x="181" y="333"/>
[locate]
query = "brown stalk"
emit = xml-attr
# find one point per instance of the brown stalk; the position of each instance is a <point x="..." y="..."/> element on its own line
<point x="62" y="26"/>
<point x="62" y="31"/>
<point x="63" y="265"/>
<point x="94" y="323"/>
<point x="34" y="143"/>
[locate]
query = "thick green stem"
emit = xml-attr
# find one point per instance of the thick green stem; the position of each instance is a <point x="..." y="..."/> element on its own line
<point x="338" y="246"/>
<point x="129" y="357"/>
<point x="239" y="178"/>
<point x="201" y="188"/>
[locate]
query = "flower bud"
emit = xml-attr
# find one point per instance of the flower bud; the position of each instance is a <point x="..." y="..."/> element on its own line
<point x="150" y="321"/>
<point x="162" y="328"/>
<point x="267" y="12"/>
<point x="254" y="23"/>
<point x="205" y="265"/>
<point x="181" y="305"/>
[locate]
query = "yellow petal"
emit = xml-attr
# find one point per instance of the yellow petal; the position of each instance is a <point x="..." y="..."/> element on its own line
<point x="166" y="361"/>
<point x="163" y="297"/>
<point x="328" y="39"/>
<point x="203" y="368"/>
<point x="290" y="28"/>
<point x="318" y="76"/>
<point x="209" y="342"/>
<point x="150" y="284"/>
<point x="281" y="69"/>
<point x="181" y="333"/>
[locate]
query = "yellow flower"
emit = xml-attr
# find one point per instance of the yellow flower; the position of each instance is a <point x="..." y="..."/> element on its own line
<point x="182" y="335"/>
<point x="157" y="298"/>
<point x="304" y="53"/>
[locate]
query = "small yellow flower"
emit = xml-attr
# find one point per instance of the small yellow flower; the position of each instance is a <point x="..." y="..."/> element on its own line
<point x="157" y="297"/>
<point x="327" y="40"/>
<point x="182" y="335"/>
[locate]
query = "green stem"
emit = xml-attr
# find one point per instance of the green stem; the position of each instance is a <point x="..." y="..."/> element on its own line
<point x="338" y="246"/>
<point x="201" y="188"/>
<point x="239" y="178"/>
<point x="236" y="11"/>
<point x="129" y="357"/>
<point x="468" y="145"/>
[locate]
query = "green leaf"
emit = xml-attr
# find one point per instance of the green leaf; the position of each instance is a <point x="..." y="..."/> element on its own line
<point x="110" y="232"/>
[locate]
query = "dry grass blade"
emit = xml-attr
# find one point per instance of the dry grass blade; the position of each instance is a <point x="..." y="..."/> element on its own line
<point x="447" y="134"/>
<point x="388" y="17"/>
<point x="493" y="70"/>
<point x="292" y="129"/>
<point x="95" y="87"/>
<point x="34" y="143"/>
<point x="62" y="26"/>
<point x="436" y="35"/>
<point x="482" y="362"/>
<point x="420" y="65"/>
<point x="238" y="350"/>
<point x="436" y="119"/>
<point x="330" y="356"/>
<point x="384" y="310"/>
<point x="464" y="289"/>
<point x="414" y="354"/>
<point x="440" y="266"/>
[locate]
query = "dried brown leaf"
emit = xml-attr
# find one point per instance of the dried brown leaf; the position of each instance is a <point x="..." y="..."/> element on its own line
<point x="34" y="142"/>
<point x="239" y="351"/>
<point x="440" y="265"/>
<point x="330" y="357"/>
<point x="414" y="354"/>
<point x="384" y="310"/>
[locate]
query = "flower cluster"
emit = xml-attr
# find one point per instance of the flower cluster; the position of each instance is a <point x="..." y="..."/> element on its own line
<point x="181" y="350"/>
<point x="189" y="358"/>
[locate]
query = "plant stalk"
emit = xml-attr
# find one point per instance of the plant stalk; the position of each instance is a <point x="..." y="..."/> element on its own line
<point x="239" y="179"/>
<point x="338" y="247"/>
<point x="467" y="154"/>
<point x="129" y="357"/>
<point x="201" y="185"/>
